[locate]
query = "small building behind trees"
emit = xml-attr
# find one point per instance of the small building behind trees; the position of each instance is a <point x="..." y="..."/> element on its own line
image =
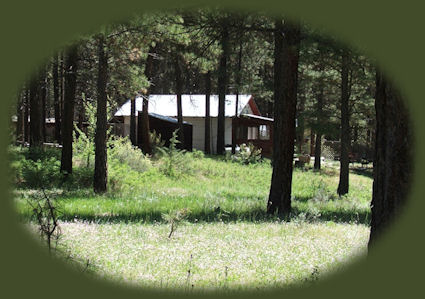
<point x="163" y="120"/>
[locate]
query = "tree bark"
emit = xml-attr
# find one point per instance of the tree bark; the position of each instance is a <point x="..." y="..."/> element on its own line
<point x="26" y="115"/>
<point x="145" y="131"/>
<point x="179" y="91"/>
<point x="56" y="99"/>
<point x="345" y="128"/>
<point x="43" y="96"/>
<point x="207" y="113"/>
<point x="100" y="164"/>
<point x="238" y="83"/>
<point x="319" y="128"/>
<point x="20" y="116"/>
<point x="36" y="134"/>
<point x="393" y="167"/>
<point x="70" y="84"/>
<point x="286" y="54"/>
<point x="222" y="89"/>
<point x="133" y="137"/>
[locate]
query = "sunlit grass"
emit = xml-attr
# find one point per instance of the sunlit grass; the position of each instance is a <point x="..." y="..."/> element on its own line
<point x="219" y="256"/>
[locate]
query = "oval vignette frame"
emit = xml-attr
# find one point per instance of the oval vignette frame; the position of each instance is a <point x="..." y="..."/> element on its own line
<point x="387" y="33"/>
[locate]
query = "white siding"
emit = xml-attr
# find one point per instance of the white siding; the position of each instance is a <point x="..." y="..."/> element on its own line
<point x="198" y="137"/>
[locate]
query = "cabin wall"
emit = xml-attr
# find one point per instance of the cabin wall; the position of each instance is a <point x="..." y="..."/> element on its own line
<point x="199" y="132"/>
<point x="198" y="137"/>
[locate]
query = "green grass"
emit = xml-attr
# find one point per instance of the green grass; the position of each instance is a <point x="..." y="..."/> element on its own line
<point x="124" y="233"/>
<point x="226" y="257"/>
<point x="213" y="190"/>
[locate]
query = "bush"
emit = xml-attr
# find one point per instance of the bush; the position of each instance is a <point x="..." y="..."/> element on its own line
<point x="122" y="151"/>
<point x="198" y="154"/>
<point x="247" y="154"/>
<point x="172" y="160"/>
<point x="41" y="173"/>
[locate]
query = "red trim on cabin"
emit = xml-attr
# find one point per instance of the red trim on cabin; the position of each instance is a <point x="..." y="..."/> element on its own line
<point x="254" y="106"/>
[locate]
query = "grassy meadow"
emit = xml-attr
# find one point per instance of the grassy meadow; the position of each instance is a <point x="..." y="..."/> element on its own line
<point x="194" y="222"/>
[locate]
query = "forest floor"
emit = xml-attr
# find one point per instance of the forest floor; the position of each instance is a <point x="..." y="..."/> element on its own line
<point x="204" y="225"/>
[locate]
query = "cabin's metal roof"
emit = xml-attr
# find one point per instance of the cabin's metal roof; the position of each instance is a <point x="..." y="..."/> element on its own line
<point x="193" y="105"/>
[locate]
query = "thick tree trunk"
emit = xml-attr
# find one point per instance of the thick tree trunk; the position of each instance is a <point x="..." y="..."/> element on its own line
<point x="100" y="164"/>
<point x="318" y="151"/>
<point x="286" y="53"/>
<point x="238" y="83"/>
<point x="179" y="91"/>
<point x="207" y="113"/>
<point x="393" y="167"/>
<point x="345" y="128"/>
<point x="145" y="130"/>
<point x="56" y="99"/>
<point x="36" y="134"/>
<point x="26" y="115"/>
<point x="43" y="96"/>
<point x="319" y="111"/>
<point x="133" y="136"/>
<point x="222" y="89"/>
<point x="70" y="85"/>
<point x="20" y="116"/>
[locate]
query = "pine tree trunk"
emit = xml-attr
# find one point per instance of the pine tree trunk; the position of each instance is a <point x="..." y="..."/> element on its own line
<point x="100" y="164"/>
<point x="133" y="137"/>
<point x="222" y="89"/>
<point x="70" y="84"/>
<point x="319" y="111"/>
<point x="345" y="128"/>
<point x="238" y="83"/>
<point x="393" y="167"/>
<point x="26" y="115"/>
<point x="56" y="99"/>
<point x="20" y="117"/>
<point x="286" y="54"/>
<point x="207" y="113"/>
<point x="36" y="134"/>
<point x="43" y="96"/>
<point x="145" y="130"/>
<point x="179" y="91"/>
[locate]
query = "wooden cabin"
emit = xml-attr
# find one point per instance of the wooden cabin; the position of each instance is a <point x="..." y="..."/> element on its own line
<point x="258" y="130"/>
<point x="165" y="106"/>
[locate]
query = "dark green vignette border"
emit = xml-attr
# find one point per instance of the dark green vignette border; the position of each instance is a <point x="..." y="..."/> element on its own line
<point x="389" y="31"/>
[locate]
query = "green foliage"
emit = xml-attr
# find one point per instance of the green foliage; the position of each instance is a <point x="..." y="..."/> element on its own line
<point x="247" y="154"/>
<point x="123" y="152"/>
<point x="174" y="162"/>
<point x="156" y="141"/>
<point x="41" y="173"/>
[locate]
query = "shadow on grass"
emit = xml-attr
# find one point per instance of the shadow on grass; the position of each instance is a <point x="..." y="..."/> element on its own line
<point x="217" y="215"/>
<point x="368" y="172"/>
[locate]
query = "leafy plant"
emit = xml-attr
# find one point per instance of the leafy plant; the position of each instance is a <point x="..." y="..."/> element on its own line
<point x="122" y="151"/>
<point x="173" y="160"/>
<point x="156" y="141"/>
<point x="247" y="154"/>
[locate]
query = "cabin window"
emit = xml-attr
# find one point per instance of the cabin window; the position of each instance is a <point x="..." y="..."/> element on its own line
<point x="252" y="133"/>
<point x="264" y="132"/>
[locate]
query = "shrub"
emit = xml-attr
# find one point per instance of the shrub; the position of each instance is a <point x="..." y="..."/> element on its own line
<point x="198" y="154"/>
<point x="172" y="160"/>
<point x="122" y="151"/>
<point x="41" y="173"/>
<point x="248" y="154"/>
<point x="156" y="141"/>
